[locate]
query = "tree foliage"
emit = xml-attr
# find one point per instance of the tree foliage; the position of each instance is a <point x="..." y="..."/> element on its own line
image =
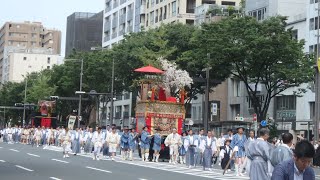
<point x="257" y="53"/>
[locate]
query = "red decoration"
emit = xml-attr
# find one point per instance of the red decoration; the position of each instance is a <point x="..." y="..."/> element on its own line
<point x="162" y="94"/>
<point x="171" y="99"/>
<point x="180" y="125"/>
<point x="149" y="69"/>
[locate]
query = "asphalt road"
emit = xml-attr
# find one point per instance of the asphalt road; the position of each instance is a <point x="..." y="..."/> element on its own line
<point x="30" y="163"/>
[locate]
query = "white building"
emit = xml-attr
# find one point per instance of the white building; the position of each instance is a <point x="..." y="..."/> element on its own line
<point x="119" y="19"/>
<point x="290" y="108"/>
<point x="19" y="63"/>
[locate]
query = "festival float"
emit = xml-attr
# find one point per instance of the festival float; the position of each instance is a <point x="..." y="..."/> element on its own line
<point x="160" y="103"/>
<point x="45" y="116"/>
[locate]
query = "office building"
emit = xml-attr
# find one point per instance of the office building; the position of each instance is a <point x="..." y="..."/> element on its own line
<point x="84" y="31"/>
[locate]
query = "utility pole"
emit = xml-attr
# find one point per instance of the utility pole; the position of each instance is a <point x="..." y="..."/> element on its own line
<point x="317" y="86"/>
<point x="25" y="101"/>
<point x="206" y="99"/>
<point x="112" y="86"/>
<point x="80" y="96"/>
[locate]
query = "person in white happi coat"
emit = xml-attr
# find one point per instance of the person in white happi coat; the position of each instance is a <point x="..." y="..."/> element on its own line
<point x="9" y="132"/>
<point x="66" y="142"/>
<point x="173" y="140"/>
<point x="97" y="140"/>
<point x="38" y="136"/>
<point x="208" y="148"/>
<point x="113" y="141"/>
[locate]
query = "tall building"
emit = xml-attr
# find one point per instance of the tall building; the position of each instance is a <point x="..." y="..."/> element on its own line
<point x="125" y="16"/>
<point x="84" y="30"/>
<point x="120" y="17"/>
<point x="23" y="36"/>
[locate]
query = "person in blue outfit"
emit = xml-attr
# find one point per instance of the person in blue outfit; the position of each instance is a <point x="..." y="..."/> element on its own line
<point x="156" y="145"/>
<point x="298" y="167"/>
<point x="132" y="143"/>
<point x="145" y="143"/>
<point x="182" y="150"/>
<point x="239" y="140"/>
<point x="124" y="142"/>
<point x="76" y="142"/>
<point x="190" y="144"/>
<point x="208" y="148"/>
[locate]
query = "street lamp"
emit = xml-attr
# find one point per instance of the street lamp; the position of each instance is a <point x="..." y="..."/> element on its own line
<point x="112" y="81"/>
<point x="80" y="89"/>
<point x="206" y="102"/>
<point x="24" y="102"/>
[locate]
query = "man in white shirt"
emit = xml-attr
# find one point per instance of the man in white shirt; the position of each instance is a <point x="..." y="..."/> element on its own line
<point x="9" y="132"/>
<point x="173" y="140"/>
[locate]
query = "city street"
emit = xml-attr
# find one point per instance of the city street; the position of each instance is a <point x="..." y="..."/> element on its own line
<point x="31" y="163"/>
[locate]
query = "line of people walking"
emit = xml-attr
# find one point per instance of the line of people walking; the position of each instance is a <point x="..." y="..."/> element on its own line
<point x="233" y="152"/>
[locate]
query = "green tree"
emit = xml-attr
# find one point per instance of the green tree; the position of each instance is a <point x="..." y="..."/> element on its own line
<point x="257" y="53"/>
<point x="10" y="94"/>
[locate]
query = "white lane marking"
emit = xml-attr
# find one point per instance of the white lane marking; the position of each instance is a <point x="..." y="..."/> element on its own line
<point x="1" y="147"/>
<point x="33" y="155"/>
<point x="142" y="179"/>
<point x="98" y="169"/>
<point x="60" y="161"/>
<point x="30" y="170"/>
<point x="2" y="161"/>
<point x="14" y="150"/>
<point x="54" y="178"/>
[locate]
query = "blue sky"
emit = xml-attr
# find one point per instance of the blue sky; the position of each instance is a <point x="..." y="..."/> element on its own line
<point x="52" y="13"/>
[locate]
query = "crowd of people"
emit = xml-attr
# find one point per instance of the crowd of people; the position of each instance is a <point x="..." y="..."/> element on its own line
<point x="233" y="152"/>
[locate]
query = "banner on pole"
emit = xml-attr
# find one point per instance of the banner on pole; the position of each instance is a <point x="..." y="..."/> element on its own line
<point x="72" y="120"/>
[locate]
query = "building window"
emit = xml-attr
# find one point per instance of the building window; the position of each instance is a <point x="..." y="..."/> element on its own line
<point x="24" y="58"/>
<point x="311" y="24"/>
<point x="228" y="3"/>
<point x="236" y="87"/>
<point x="250" y="103"/>
<point x="48" y="60"/>
<point x="286" y="102"/>
<point x="29" y="66"/>
<point x="174" y="8"/>
<point x="48" y="67"/>
<point x="295" y="34"/>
